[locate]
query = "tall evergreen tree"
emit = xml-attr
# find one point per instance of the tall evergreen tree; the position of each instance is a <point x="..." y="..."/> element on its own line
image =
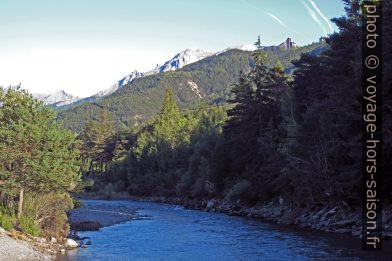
<point x="36" y="155"/>
<point x="324" y="157"/>
<point x="96" y="149"/>
<point x="253" y="131"/>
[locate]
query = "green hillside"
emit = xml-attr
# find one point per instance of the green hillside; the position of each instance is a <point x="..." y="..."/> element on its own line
<point x="207" y="80"/>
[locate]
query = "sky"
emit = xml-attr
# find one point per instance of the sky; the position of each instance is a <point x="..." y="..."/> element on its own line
<point x="84" y="46"/>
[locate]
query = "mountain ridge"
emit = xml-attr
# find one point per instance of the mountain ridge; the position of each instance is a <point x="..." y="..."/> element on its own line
<point x="181" y="59"/>
<point x="56" y="99"/>
<point x="208" y="80"/>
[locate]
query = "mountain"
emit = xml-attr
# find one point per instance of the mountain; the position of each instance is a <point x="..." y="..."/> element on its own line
<point x="56" y="99"/>
<point x="207" y="80"/>
<point x="127" y="79"/>
<point x="243" y="47"/>
<point x="181" y="59"/>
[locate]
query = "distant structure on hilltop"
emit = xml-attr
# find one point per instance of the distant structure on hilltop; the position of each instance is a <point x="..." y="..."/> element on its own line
<point x="323" y="39"/>
<point x="288" y="44"/>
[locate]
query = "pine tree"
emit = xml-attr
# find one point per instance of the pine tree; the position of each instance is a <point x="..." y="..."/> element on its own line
<point x="325" y="155"/>
<point x="36" y="155"/>
<point x="252" y="133"/>
<point x="170" y="124"/>
<point x="97" y="150"/>
<point x="258" y="43"/>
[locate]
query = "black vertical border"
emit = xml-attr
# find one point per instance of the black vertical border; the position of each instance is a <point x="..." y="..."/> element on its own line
<point x="371" y="140"/>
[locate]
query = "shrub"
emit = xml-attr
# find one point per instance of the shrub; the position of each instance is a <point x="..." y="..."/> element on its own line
<point x="7" y="218"/>
<point x="49" y="212"/>
<point x="28" y="225"/>
<point x="77" y="203"/>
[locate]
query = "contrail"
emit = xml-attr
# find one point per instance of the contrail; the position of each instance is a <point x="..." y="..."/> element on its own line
<point x="285" y="26"/>
<point x="321" y="14"/>
<point x="314" y="16"/>
<point x="278" y="20"/>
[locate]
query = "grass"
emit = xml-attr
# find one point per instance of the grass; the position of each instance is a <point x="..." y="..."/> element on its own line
<point x="7" y="218"/>
<point x="28" y="226"/>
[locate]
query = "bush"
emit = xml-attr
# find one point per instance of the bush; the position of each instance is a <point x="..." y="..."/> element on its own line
<point x="28" y="225"/>
<point x="77" y="203"/>
<point x="44" y="215"/>
<point x="49" y="212"/>
<point x="7" y="218"/>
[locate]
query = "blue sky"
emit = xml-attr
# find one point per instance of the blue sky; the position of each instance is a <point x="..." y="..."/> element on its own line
<point x="83" y="46"/>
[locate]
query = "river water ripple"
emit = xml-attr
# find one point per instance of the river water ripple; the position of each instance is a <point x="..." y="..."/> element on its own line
<point x="175" y="233"/>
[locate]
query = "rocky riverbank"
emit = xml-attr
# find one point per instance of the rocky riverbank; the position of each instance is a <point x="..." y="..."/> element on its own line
<point x="337" y="219"/>
<point x="17" y="246"/>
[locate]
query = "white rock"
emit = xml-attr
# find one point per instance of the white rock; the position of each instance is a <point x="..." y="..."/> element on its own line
<point x="40" y="240"/>
<point x="71" y="243"/>
<point x="183" y="58"/>
<point x="59" y="98"/>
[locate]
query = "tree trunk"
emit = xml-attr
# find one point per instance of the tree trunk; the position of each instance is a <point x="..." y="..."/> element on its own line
<point x="20" y="203"/>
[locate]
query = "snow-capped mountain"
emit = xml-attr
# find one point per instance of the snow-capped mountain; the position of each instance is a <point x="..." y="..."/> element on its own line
<point x="243" y="47"/>
<point x="59" y="98"/>
<point x="181" y="59"/>
<point x="127" y="79"/>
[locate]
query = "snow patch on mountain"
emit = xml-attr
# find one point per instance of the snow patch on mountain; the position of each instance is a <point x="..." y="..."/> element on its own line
<point x="243" y="47"/>
<point x="59" y="98"/>
<point x="181" y="59"/>
<point x="127" y="79"/>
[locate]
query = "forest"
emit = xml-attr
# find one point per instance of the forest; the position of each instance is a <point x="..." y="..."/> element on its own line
<point x="274" y="134"/>
<point x="295" y="136"/>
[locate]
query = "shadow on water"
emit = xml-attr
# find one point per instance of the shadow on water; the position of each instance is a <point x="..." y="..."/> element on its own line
<point x="174" y="233"/>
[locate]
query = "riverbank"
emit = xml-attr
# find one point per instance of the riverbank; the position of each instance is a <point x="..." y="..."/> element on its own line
<point x="175" y="233"/>
<point x="17" y="246"/>
<point x="337" y="219"/>
<point x="93" y="217"/>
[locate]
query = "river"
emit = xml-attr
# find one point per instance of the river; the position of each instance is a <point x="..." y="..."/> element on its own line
<point x="174" y="233"/>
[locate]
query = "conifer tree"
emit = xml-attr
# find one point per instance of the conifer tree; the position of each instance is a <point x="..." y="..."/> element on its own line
<point x="258" y="43"/>
<point x="96" y="149"/>
<point x="36" y="155"/>
<point x="252" y="133"/>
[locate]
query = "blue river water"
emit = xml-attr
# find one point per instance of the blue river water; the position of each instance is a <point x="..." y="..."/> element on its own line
<point x="175" y="233"/>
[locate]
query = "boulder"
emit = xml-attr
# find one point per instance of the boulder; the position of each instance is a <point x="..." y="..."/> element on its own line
<point x="70" y="243"/>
